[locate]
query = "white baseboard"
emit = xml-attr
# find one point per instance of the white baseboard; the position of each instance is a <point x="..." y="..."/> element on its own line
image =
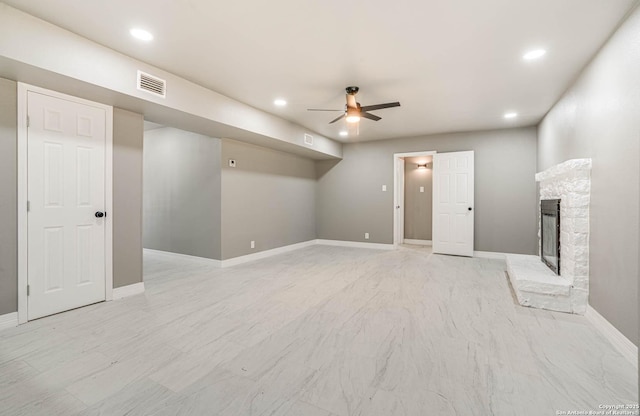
<point x="266" y="253"/>
<point x="213" y="262"/>
<point x="356" y="244"/>
<point x="417" y="242"/>
<point x="489" y="255"/>
<point x="126" y="291"/>
<point x="8" y="320"/>
<point x="615" y="337"/>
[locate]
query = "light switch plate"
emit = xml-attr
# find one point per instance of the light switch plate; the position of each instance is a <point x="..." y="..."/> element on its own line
<point x="422" y="189"/>
<point x="384" y="188"/>
<point x="232" y="163"/>
<point x="366" y="236"/>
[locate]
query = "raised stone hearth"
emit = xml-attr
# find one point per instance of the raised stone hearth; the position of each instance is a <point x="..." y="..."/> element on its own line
<point x="534" y="283"/>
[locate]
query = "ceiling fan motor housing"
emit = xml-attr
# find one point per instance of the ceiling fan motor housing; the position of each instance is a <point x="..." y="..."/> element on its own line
<point x="353" y="111"/>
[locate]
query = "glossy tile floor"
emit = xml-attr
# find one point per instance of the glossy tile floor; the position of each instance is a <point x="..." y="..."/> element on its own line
<point x="321" y="331"/>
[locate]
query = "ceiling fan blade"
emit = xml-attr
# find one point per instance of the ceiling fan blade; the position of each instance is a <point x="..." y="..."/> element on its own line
<point x="370" y="116"/>
<point x="321" y="109"/>
<point x="351" y="101"/>
<point x="380" y="106"/>
<point x="337" y="119"/>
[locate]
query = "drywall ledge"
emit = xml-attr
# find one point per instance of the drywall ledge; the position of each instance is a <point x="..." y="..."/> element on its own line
<point x="37" y="52"/>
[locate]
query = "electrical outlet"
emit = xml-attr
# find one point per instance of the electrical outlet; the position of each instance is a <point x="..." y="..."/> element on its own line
<point x="253" y="244"/>
<point x="366" y="236"/>
<point x="232" y="163"/>
<point x="384" y="188"/>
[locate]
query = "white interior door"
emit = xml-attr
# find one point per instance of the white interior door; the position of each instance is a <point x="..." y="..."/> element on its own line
<point x="66" y="144"/>
<point x="453" y="214"/>
<point x="398" y="238"/>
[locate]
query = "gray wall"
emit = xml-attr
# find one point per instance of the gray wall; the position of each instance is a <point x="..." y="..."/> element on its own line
<point x="8" y="198"/>
<point x="182" y="192"/>
<point x="269" y="197"/>
<point x="350" y="200"/>
<point x="599" y="118"/>
<point x="127" y="197"/>
<point x="418" y="205"/>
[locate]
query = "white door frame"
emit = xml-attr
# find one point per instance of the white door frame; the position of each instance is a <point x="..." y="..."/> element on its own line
<point x="396" y="184"/>
<point x="23" y="90"/>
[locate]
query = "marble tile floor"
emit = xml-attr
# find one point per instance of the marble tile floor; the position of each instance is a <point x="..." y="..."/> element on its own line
<point x="322" y="331"/>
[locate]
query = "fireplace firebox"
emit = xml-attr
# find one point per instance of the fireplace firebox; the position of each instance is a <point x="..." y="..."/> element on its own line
<point x="550" y="233"/>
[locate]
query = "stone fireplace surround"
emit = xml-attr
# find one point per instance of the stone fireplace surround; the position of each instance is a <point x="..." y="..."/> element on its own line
<point x="535" y="285"/>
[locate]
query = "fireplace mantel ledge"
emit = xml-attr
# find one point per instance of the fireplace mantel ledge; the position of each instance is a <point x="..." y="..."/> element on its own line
<point x="564" y="168"/>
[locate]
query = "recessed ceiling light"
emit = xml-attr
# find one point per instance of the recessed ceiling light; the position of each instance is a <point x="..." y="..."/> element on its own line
<point x="280" y="102"/>
<point x="535" y="54"/>
<point x="141" y="34"/>
<point x="510" y="115"/>
<point x="344" y="133"/>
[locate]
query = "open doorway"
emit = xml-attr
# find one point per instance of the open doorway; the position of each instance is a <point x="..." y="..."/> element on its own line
<point x="418" y="200"/>
<point x="413" y="179"/>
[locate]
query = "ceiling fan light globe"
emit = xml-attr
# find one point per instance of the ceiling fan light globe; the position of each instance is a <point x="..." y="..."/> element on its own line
<point x="353" y="119"/>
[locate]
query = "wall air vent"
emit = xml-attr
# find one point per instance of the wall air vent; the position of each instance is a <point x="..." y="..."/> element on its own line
<point x="308" y="139"/>
<point x="152" y="84"/>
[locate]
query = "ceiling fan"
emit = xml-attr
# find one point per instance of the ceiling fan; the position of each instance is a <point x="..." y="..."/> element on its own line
<point x="353" y="111"/>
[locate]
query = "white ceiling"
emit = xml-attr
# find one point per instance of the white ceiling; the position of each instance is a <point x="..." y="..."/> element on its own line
<point x="454" y="65"/>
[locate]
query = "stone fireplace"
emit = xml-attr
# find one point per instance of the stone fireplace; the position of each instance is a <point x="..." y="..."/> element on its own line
<point x="534" y="283"/>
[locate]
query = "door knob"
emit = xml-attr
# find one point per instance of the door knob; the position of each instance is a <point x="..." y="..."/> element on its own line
<point x="470" y="208"/>
<point x="100" y="214"/>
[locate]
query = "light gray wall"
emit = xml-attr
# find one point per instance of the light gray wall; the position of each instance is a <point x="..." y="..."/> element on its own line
<point x="350" y="200"/>
<point x="269" y="197"/>
<point x="418" y="205"/>
<point x="127" y="197"/>
<point x="8" y="198"/>
<point x="182" y="192"/>
<point x="599" y="118"/>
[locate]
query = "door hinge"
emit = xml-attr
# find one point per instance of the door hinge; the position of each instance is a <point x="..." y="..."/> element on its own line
<point x="28" y="121"/>
<point x="28" y="206"/>
<point x="28" y="290"/>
